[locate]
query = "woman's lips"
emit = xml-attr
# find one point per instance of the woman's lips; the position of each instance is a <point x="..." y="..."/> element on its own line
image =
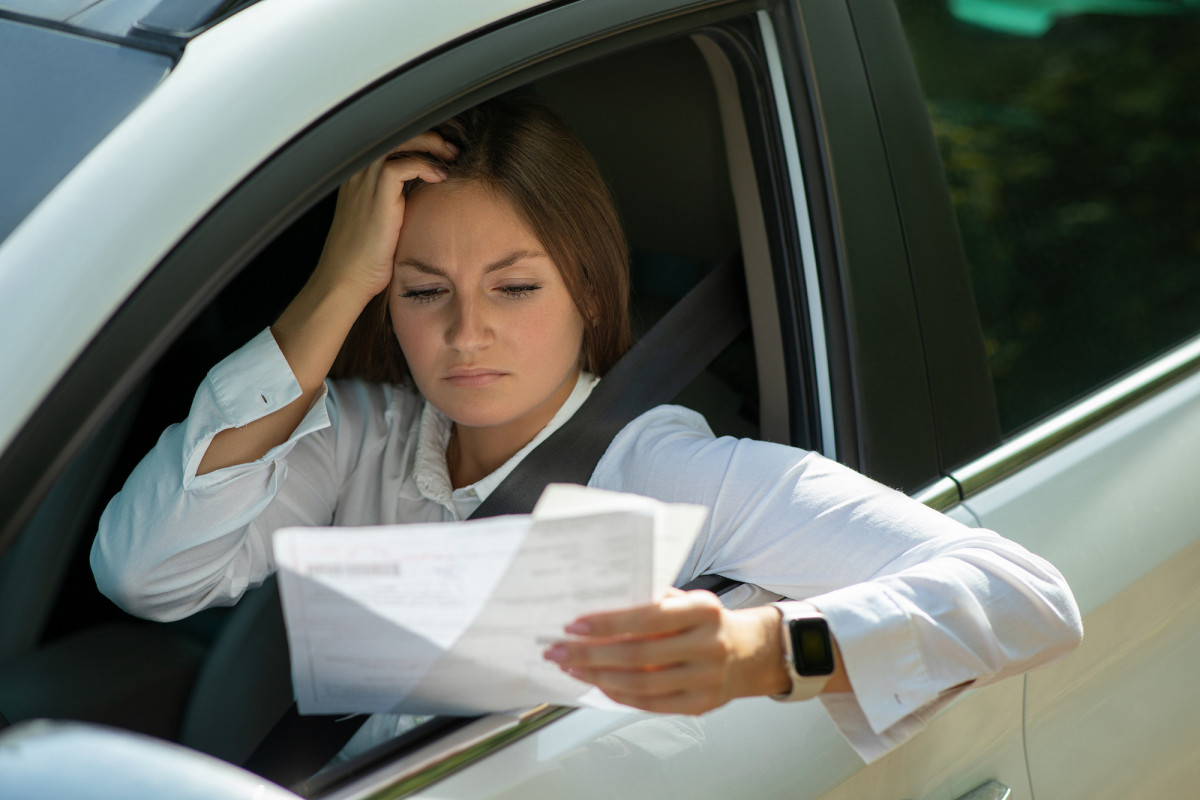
<point x="473" y="376"/>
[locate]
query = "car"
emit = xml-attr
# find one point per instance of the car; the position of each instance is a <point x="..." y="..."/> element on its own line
<point x="968" y="238"/>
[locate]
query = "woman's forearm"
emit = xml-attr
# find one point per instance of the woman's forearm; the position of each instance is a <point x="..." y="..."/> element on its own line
<point x="309" y="334"/>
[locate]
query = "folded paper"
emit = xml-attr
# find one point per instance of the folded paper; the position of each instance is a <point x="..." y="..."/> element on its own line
<point x="453" y="618"/>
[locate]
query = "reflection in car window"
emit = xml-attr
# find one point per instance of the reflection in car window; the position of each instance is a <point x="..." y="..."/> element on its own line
<point x="1071" y="146"/>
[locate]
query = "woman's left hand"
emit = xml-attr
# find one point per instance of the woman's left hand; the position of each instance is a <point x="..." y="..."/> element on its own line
<point x="685" y="654"/>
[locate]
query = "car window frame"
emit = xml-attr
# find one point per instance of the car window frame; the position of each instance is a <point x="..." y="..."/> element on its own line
<point x="882" y="405"/>
<point x="422" y="757"/>
<point x="966" y="420"/>
<point x="288" y="182"/>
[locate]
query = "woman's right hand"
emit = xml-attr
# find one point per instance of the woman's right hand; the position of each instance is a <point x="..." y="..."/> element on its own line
<point x="361" y="244"/>
<point x="355" y="265"/>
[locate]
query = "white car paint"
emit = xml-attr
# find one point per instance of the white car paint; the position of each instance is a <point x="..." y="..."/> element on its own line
<point x="1116" y="511"/>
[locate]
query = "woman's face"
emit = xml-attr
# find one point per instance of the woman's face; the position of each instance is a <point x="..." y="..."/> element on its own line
<point x="490" y="332"/>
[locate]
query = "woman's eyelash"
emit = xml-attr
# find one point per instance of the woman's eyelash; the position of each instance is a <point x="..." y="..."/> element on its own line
<point x="429" y="295"/>
<point x="522" y="290"/>
<point x="422" y="295"/>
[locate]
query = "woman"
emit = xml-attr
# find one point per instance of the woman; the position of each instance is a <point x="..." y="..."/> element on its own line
<point x="478" y="278"/>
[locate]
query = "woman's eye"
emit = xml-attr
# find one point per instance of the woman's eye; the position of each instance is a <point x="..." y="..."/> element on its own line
<point x="520" y="290"/>
<point x="423" y="295"/>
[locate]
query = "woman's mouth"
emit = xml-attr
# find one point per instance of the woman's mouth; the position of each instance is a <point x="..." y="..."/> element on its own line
<point x="473" y="376"/>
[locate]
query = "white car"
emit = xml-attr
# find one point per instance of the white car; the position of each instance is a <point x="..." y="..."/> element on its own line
<point x="968" y="233"/>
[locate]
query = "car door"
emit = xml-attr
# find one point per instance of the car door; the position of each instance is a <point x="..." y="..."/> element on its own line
<point x="1071" y="170"/>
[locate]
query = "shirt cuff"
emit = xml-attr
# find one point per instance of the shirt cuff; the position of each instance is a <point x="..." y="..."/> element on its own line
<point x="847" y="715"/>
<point x="249" y="384"/>
<point x="881" y="654"/>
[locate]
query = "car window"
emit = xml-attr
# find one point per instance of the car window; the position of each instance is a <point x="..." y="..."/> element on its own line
<point x="181" y="674"/>
<point x="1070" y="140"/>
<point x="72" y="91"/>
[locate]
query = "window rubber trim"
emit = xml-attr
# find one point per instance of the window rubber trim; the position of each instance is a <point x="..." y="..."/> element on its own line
<point x="283" y="187"/>
<point x="818" y="353"/>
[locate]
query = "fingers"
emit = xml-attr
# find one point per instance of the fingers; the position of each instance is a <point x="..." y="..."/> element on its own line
<point x="360" y="248"/>
<point x="677" y="674"/>
<point x="416" y="158"/>
<point x="422" y="157"/>
<point x="640" y="653"/>
<point x="685" y="689"/>
<point x="430" y="143"/>
<point x="397" y="171"/>
<point x="675" y="612"/>
<point x="670" y="656"/>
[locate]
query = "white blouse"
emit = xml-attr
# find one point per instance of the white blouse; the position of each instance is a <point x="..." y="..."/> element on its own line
<point x="920" y="605"/>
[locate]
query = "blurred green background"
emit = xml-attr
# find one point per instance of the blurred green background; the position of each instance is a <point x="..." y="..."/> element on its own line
<point x="1070" y="136"/>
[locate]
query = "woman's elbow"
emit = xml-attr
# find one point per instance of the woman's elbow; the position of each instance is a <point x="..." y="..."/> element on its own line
<point x="123" y="582"/>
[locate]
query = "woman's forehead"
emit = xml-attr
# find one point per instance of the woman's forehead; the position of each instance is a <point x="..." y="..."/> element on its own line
<point x="462" y="220"/>
<point x="462" y="195"/>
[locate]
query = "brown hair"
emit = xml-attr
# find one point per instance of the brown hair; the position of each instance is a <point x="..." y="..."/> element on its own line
<point x="519" y="148"/>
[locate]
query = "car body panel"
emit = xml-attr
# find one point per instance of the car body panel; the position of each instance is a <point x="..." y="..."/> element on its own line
<point x="736" y="751"/>
<point x="1115" y="511"/>
<point x="45" y="759"/>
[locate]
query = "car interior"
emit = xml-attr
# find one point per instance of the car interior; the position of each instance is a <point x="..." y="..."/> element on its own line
<point x="665" y="124"/>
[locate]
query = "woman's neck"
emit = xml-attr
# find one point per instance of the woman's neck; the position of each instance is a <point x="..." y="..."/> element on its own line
<point x="474" y="453"/>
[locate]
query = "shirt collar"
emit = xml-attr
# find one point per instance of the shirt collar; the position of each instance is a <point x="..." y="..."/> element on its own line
<point x="431" y="474"/>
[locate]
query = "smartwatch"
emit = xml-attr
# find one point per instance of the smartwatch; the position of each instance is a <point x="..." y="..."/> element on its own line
<point x="807" y="650"/>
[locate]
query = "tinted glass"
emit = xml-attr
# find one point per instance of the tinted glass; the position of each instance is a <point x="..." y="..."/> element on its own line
<point x="60" y="94"/>
<point x="1071" y="145"/>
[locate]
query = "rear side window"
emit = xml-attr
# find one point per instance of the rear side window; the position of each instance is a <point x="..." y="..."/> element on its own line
<point x="1071" y="146"/>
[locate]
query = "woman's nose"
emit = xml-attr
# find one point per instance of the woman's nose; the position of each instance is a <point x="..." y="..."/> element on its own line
<point x="468" y="328"/>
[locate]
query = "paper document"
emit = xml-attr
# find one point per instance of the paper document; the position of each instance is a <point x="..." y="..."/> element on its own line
<point x="453" y="618"/>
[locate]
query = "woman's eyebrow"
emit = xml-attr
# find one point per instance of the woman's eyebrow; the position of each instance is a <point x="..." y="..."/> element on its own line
<point x="513" y="258"/>
<point x="420" y="266"/>
<point x="507" y="261"/>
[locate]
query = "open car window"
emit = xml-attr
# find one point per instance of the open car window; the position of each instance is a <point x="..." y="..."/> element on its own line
<point x="661" y="108"/>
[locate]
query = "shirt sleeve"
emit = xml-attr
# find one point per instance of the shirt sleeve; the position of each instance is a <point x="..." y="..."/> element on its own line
<point x="920" y="605"/>
<point x="171" y="542"/>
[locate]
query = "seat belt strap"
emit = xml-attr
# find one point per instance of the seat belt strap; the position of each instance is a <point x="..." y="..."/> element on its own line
<point x="653" y="372"/>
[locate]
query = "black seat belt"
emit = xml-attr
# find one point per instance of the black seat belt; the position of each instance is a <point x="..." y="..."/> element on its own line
<point x="653" y="372"/>
<point x="664" y="361"/>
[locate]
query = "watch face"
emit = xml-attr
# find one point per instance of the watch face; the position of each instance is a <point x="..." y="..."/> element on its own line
<point x="811" y="647"/>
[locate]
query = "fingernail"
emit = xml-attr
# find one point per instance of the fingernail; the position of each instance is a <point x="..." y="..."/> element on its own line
<point x="555" y="653"/>
<point x="580" y="627"/>
<point x="442" y="174"/>
<point x="453" y="148"/>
